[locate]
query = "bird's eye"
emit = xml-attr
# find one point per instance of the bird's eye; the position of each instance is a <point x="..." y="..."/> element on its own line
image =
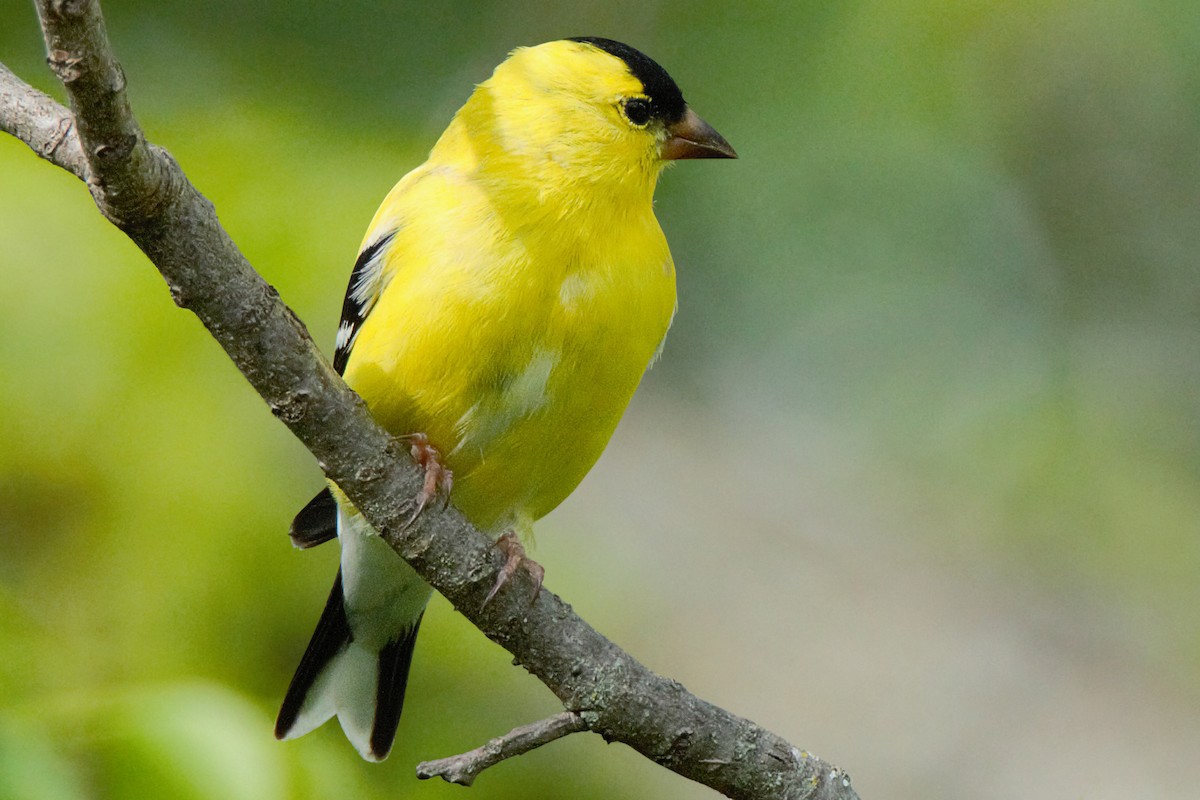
<point x="637" y="110"/>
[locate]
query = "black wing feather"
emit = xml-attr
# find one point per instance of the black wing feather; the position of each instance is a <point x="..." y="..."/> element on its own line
<point x="316" y="523"/>
<point x="356" y="307"/>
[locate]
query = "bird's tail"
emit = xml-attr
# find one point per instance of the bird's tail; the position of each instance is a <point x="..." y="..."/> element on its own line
<point x="356" y="665"/>
<point x="363" y="685"/>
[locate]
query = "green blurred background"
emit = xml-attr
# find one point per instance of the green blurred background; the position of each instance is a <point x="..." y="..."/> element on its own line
<point x="916" y="483"/>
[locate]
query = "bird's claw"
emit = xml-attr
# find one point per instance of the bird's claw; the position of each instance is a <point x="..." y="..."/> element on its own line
<point x="438" y="479"/>
<point x="515" y="557"/>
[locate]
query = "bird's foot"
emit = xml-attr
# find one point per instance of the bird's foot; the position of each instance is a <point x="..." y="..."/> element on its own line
<point x="438" y="479"/>
<point x="514" y="552"/>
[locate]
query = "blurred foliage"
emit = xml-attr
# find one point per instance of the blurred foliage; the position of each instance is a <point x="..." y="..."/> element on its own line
<point x="962" y="233"/>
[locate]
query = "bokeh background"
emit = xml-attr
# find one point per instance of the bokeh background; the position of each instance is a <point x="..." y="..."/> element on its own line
<point x="916" y="483"/>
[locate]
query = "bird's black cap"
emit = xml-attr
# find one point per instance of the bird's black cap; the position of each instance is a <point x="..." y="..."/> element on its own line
<point x="664" y="94"/>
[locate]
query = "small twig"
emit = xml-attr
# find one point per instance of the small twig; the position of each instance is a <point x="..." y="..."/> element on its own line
<point x="463" y="769"/>
<point x="38" y="121"/>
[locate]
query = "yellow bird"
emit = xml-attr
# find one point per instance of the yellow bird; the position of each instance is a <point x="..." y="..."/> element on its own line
<point x="507" y="298"/>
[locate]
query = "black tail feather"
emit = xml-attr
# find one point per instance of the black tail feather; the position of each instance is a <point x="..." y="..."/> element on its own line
<point x="316" y="523"/>
<point x="332" y="634"/>
<point x="394" y="662"/>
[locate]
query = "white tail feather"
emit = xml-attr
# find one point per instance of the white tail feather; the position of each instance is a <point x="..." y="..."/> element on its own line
<point x="346" y="688"/>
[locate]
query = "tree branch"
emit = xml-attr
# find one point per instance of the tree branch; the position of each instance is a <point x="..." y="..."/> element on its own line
<point x="41" y="123"/>
<point x="141" y="189"/>
<point x="465" y="768"/>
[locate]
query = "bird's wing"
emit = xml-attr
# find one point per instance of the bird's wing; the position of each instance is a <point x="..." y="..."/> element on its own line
<point x="316" y="523"/>
<point x="367" y="281"/>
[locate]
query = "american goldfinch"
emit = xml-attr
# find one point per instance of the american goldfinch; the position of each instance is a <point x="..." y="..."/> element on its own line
<point x="507" y="298"/>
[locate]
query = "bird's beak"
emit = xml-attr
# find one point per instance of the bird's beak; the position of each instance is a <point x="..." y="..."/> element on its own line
<point x="692" y="137"/>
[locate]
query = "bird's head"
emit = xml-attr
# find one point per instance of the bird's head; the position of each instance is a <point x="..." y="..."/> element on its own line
<point x="587" y="110"/>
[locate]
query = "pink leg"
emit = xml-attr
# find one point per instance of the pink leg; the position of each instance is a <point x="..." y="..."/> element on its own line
<point x="438" y="479"/>
<point x="511" y="546"/>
